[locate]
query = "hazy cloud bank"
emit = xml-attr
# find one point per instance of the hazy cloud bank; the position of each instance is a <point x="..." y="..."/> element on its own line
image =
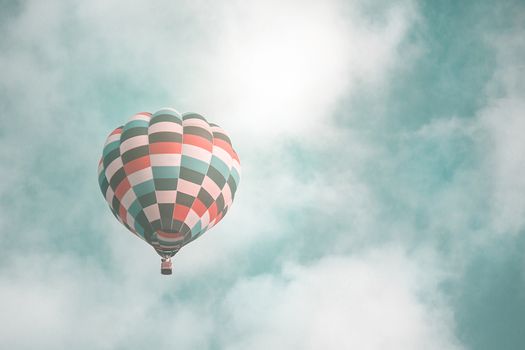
<point x="303" y="259"/>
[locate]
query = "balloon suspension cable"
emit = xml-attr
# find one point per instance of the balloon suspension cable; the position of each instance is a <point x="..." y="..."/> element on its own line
<point x="166" y="266"/>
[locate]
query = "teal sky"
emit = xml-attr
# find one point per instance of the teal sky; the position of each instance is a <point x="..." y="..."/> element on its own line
<point x="382" y="200"/>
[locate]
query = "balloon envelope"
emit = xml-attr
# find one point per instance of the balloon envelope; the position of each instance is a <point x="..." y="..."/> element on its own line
<point x="169" y="177"/>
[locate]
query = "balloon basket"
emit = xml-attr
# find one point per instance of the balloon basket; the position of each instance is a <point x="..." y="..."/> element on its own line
<point x="166" y="266"/>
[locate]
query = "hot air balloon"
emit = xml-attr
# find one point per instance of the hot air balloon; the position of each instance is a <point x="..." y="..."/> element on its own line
<point x="168" y="178"/>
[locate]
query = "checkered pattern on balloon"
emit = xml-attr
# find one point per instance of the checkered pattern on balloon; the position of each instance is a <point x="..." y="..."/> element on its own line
<point x="169" y="177"/>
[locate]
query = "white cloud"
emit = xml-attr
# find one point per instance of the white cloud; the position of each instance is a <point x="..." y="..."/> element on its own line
<point x="369" y="301"/>
<point x="61" y="301"/>
<point x="281" y="68"/>
<point x="263" y="70"/>
<point x="503" y="121"/>
<point x="363" y="302"/>
<point x="260" y="68"/>
<point x="489" y="188"/>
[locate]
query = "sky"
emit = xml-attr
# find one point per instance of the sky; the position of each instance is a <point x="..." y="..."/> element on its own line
<point x="382" y="199"/>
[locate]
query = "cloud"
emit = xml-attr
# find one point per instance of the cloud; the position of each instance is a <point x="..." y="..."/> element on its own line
<point x="493" y="140"/>
<point x="274" y="273"/>
<point x="281" y="69"/>
<point x="503" y="120"/>
<point x="266" y="71"/>
<point x="370" y="301"/>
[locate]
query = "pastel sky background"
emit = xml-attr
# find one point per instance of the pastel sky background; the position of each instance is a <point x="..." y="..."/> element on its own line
<point x="382" y="203"/>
